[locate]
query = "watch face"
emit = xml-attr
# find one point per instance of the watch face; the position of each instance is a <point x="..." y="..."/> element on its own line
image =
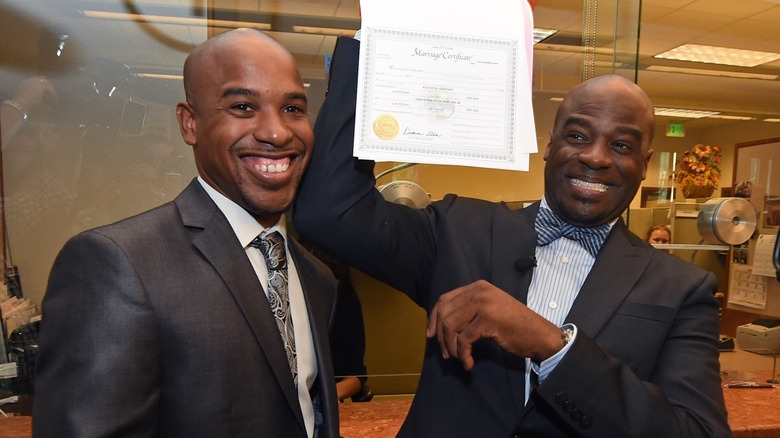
<point x="568" y="334"/>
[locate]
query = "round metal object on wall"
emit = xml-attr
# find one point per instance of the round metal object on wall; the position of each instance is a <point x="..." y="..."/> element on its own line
<point x="726" y="220"/>
<point x="406" y="193"/>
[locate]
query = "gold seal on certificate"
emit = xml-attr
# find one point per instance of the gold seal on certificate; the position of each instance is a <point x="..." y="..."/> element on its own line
<point x="386" y="127"/>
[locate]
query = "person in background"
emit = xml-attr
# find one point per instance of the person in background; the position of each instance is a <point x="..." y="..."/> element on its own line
<point x="195" y="318"/>
<point x="659" y="234"/>
<point x="347" y="332"/>
<point x="531" y="333"/>
<point x="27" y="97"/>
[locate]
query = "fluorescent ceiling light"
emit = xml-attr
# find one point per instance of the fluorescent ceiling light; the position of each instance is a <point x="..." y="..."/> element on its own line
<point x="542" y="34"/>
<point x="719" y="55"/>
<point x="772" y="120"/>
<point x="323" y="30"/>
<point x="719" y="73"/>
<point x="556" y="99"/>
<point x="719" y="116"/>
<point x="165" y="19"/>
<point x="160" y="76"/>
<point x="685" y="113"/>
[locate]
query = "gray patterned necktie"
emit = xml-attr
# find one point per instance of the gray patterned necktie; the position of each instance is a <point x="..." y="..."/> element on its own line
<point x="271" y="245"/>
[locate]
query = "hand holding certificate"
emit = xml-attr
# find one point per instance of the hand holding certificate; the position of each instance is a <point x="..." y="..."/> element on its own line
<point x="428" y="93"/>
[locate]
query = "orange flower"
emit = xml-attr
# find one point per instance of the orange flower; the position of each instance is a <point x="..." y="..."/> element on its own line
<point x="699" y="166"/>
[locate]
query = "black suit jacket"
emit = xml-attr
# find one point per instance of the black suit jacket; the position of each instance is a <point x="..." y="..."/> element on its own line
<point x="156" y="326"/>
<point x="645" y="361"/>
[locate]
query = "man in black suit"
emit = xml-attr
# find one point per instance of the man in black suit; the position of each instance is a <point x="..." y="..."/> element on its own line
<point x="532" y="334"/>
<point x="160" y="325"/>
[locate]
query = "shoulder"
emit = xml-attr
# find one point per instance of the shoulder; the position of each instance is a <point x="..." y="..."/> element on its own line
<point x="145" y="231"/>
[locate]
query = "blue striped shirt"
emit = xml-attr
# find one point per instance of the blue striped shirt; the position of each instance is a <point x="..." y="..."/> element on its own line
<point x="562" y="267"/>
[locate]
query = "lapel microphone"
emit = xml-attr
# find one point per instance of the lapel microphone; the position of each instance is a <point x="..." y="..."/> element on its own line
<point x="525" y="263"/>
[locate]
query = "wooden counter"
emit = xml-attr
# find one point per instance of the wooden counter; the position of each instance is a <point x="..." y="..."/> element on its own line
<point x="753" y="413"/>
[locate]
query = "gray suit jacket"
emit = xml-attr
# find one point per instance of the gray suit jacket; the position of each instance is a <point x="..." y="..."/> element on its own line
<point x="156" y="326"/>
<point x="645" y="361"/>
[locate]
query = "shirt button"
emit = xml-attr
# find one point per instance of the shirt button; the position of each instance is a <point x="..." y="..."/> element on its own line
<point x="553" y="304"/>
<point x="565" y="259"/>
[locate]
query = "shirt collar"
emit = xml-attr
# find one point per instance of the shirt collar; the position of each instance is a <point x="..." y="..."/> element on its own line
<point x="244" y="225"/>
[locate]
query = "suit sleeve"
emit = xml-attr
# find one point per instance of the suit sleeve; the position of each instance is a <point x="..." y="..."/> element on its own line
<point x="681" y="396"/>
<point x="98" y="368"/>
<point x="338" y="207"/>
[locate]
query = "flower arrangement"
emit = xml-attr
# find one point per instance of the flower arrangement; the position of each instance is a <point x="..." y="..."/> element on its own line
<point x="699" y="169"/>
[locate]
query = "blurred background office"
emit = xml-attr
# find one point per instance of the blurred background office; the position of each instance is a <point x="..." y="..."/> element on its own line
<point x="101" y="140"/>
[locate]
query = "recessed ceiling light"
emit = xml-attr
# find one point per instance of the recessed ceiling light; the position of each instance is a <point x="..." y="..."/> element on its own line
<point x="685" y="113"/>
<point x="719" y="55"/>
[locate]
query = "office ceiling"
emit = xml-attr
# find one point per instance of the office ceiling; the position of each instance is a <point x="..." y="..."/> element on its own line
<point x="145" y="45"/>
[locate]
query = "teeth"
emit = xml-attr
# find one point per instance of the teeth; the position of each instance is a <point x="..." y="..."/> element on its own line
<point x="272" y="168"/>
<point x="589" y="185"/>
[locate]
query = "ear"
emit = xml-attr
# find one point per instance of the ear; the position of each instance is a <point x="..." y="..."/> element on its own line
<point x="185" y="114"/>
<point x="547" y="150"/>
<point x="647" y="161"/>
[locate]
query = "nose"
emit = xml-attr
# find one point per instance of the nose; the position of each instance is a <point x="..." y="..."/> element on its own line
<point x="273" y="129"/>
<point x="596" y="155"/>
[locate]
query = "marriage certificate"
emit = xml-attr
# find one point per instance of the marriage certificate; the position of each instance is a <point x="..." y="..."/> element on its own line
<point x="446" y="91"/>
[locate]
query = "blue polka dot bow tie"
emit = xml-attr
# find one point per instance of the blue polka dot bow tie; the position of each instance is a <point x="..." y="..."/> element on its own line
<point x="550" y="227"/>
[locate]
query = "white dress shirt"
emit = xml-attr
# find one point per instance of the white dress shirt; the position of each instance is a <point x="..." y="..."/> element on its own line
<point x="246" y="229"/>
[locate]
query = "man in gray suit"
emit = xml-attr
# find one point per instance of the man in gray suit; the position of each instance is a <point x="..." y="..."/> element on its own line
<point x="160" y="325"/>
<point x="532" y="333"/>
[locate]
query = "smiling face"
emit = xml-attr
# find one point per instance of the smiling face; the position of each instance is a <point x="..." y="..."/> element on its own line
<point x="598" y="151"/>
<point x="246" y="119"/>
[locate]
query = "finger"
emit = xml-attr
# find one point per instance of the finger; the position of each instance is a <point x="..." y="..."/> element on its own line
<point x="448" y="338"/>
<point x="430" y="331"/>
<point x="434" y="317"/>
<point x="466" y="338"/>
<point x="464" y="354"/>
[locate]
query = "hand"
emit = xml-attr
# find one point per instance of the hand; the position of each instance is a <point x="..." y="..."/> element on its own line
<point x="347" y="387"/>
<point x="481" y="310"/>
<point x="31" y="93"/>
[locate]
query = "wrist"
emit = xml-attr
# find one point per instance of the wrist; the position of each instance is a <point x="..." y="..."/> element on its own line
<point x="17" y="106"/>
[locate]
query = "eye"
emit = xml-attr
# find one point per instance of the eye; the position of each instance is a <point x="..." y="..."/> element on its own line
<point x="241" y="107"/>
<point x="623" y="147"/>
<point x="576" y="137"/>
<point x="295" y="110"/>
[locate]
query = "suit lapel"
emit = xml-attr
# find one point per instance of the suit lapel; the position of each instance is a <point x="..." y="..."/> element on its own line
<point x="219" y="245"/>
<point x="514" y="239"/>
<point x="320" y="294"/>
<point x="618" y="267"/>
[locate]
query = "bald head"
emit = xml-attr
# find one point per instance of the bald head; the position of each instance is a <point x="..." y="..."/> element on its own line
<point x="204" y="59"/>
<point x="613" y="87"/>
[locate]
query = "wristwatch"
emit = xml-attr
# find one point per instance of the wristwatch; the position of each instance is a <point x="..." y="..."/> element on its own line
<point x="17" y="106"/>
<point x="567" y="334"/>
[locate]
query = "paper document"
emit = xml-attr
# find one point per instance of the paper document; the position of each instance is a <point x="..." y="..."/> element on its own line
<point x="454" y="90"/>
<point x="762" y="257"/>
